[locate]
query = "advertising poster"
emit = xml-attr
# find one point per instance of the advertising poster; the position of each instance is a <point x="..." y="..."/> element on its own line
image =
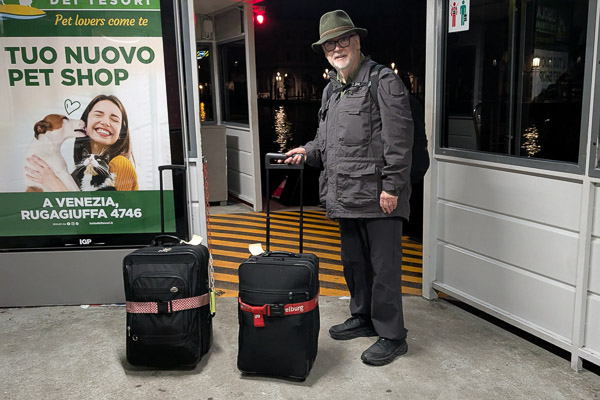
<point x="83" y="117"/>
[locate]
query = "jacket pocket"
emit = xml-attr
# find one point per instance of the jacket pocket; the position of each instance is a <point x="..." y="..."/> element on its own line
<point x="359" y="184"/>
<point x="354" y="120"/>
<point x="323" y="186"/>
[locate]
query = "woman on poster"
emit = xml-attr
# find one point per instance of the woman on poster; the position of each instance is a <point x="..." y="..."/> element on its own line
<point x="107" y="129"/>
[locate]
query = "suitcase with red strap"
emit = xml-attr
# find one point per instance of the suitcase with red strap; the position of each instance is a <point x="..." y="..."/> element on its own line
<point x="169" y="323"/>
<point x="278" y="309"/>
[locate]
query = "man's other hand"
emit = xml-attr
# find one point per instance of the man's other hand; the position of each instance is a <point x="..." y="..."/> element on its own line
<point x="387" y="202"/>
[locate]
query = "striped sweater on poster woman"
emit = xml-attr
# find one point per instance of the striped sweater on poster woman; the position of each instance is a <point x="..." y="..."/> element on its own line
<point x="125" y="175"/>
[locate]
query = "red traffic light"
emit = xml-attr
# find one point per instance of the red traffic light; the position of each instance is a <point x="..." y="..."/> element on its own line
<point x="259" y="14"/>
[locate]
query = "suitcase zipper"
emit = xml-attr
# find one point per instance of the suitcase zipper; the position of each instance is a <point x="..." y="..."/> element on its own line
<point x="159" y="290"/>
<point x="301" y="265"/>
<point x="133" y="337"/>
<point x="162" y="338"/>
<point x="276" y="292"/>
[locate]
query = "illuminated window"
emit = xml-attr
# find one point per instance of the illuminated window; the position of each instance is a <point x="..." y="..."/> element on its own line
<point x="204" y="58"/>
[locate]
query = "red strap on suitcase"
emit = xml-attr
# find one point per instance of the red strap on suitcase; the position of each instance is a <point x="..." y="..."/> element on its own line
<point x="277" y="310"/>
<point x="152" y="307"/>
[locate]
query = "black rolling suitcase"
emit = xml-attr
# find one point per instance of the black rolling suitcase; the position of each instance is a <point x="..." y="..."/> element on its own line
<point x="278" y="309"/>
<point x="169" y="321"/>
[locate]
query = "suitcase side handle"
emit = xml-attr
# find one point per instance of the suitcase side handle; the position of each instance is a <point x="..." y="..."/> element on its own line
<point x="161" y="168"/>
<point x="165" y="239"/>
<point x="279" y="253"/>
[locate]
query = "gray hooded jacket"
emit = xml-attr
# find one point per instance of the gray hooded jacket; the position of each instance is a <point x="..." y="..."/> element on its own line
<point x="364" y="149"/>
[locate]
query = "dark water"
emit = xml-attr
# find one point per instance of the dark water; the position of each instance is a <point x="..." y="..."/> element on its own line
<point x="284" y="125"/>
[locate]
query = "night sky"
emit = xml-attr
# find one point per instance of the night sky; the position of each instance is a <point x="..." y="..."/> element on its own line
<point x="396" y="27"/>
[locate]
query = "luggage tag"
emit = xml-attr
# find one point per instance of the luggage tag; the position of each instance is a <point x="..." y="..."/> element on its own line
<point x="256" y="249"/>
<point x="194" y="241"/>
<point x="213" y="302"/>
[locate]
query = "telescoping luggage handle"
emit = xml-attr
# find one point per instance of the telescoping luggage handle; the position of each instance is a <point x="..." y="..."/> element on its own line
<point x="271" y="162"/>
<point x="162" y="237"/>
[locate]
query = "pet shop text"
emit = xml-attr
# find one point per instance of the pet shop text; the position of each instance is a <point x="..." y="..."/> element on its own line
<point x="40" y="58"/>
<point x="61" y="20"/>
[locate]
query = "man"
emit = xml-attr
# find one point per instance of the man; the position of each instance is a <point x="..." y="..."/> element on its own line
<point x="365" y="152"/>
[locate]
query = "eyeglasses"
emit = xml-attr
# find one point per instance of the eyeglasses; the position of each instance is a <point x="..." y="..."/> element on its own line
<point x="344" y="41"/>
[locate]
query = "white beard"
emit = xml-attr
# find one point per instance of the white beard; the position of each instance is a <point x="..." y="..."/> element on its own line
<point x="340" y="64"/>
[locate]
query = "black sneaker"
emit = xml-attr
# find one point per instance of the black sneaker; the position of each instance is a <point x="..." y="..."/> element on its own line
<point x="353" y="327"/>
<point x="383" y="351"/>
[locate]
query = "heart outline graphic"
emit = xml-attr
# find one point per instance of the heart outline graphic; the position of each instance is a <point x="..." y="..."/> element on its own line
<point x="71" y="106"/>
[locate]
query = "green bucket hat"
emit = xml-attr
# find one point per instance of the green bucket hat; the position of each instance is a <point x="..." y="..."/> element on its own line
<point x="334" y="24"/>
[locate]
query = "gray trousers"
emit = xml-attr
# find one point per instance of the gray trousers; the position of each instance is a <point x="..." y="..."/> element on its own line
<point x="372" y="260"/>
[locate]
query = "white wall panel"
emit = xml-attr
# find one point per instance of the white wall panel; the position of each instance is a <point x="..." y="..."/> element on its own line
<point x="240" y="164"/>
<point x="239" y="139"/>
<point x="592" y="331"/>
<point x="239" y="161"/>
<point x="534" y="247"/>
<point x="594" y="280"/>
<point x="529" y="297"/>
<point x="596" y="224"/>
<point x="548" y="201"/>
<point x="241" y="185"/>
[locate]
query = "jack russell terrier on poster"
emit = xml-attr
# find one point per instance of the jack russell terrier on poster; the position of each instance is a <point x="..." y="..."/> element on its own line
<point x="49" y="135"/>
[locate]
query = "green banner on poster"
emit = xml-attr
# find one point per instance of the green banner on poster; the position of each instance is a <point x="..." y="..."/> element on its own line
<point x="32" y="214"/>
<point x="51" y="18"/>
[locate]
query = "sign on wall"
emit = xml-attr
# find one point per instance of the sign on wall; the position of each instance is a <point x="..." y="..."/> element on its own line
<point x="83" y="117"/>
<point x="458" y="15"/>
<point x="546" y="73"/>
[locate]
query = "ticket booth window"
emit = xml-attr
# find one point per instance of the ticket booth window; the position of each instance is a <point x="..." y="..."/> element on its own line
<point x="234" y="82"/>
<point x="204" y="57"/>
<point x="514" y="79"/>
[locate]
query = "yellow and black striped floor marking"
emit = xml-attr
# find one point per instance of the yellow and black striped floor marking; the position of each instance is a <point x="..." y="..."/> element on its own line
<point x="230" y="235"/>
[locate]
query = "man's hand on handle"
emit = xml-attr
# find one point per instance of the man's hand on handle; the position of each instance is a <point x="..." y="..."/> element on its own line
<point x="293" y="155"/>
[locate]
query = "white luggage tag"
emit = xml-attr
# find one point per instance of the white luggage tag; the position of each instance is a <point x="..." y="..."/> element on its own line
<point x="194" y="241"/>
<point x="213" y="302"/>
<point x="256" y="249"/>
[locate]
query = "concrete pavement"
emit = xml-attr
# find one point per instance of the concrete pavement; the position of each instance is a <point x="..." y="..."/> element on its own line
<point x="75" y="353"/>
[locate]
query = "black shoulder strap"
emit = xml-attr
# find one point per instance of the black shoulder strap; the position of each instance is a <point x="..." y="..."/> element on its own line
<point x="329" y="90"/>
<point x="374" y="82"/>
